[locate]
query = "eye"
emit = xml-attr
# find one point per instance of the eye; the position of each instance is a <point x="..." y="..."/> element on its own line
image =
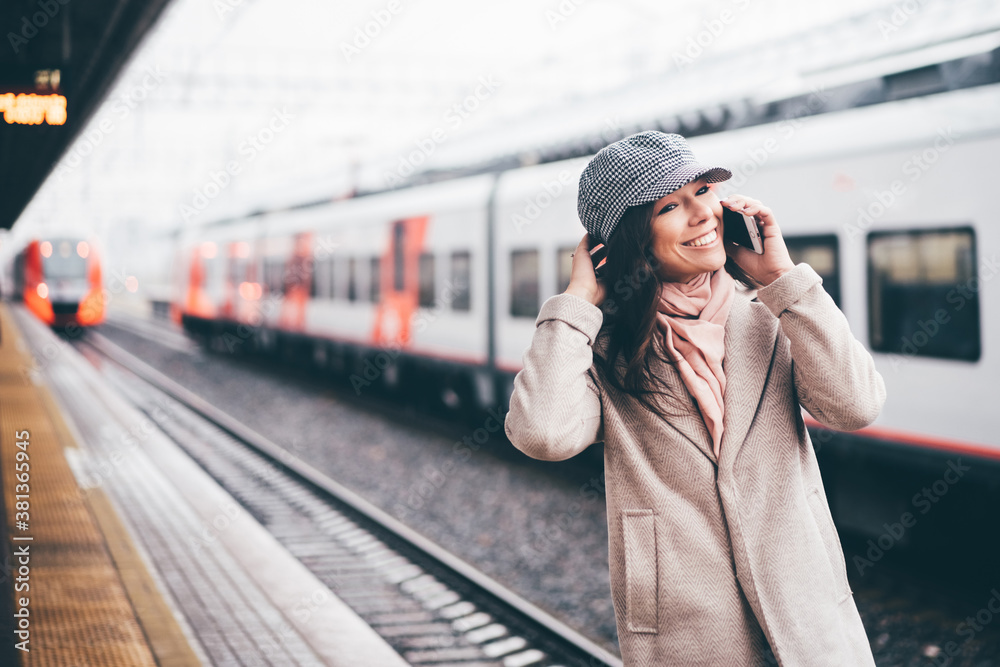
<point x="669" y="207"/>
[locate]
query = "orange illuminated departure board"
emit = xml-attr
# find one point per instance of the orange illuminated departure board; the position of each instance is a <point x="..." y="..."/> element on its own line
<point x="32" y="96"/>
<point x="32" y="109"/>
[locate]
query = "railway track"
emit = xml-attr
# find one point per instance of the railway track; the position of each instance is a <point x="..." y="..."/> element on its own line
<point x="429" y="605"/>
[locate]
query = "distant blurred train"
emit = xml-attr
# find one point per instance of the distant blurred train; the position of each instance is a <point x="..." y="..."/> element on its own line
<point x="59" y="280"/>
<point x="441" y="284"/>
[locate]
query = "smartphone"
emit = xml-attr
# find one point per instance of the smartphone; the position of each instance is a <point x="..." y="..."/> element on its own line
<point x="741" y="229"/>
<point x="599" y="255"/>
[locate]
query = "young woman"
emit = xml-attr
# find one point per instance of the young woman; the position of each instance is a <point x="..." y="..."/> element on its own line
<point x="722" y="547"/>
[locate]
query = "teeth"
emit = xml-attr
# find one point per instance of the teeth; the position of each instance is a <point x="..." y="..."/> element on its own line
<point x="707" y="238"/>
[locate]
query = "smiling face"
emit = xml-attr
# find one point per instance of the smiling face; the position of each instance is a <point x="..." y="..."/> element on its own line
<point x="687" y="232"/>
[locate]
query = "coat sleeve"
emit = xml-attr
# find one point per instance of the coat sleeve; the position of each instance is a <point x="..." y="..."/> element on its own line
<point x="555" y="409"/>
<point x="834" y="374"/>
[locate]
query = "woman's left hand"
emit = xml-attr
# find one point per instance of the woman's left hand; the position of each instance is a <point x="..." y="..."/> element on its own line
<point x="775" y="261"/>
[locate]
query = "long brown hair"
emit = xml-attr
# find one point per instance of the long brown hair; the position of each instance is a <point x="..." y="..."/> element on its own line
<point x="632" y="291"/>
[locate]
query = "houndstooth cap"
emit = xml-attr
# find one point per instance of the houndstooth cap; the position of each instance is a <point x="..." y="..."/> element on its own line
<point x="635" y="170"/>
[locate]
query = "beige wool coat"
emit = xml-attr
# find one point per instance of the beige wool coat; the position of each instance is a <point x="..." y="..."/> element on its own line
<point x="712" y="561"/>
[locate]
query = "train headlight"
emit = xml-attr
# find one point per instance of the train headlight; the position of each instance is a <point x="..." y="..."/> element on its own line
<point x="43" y="290"/>
<point x="45" y="248"/>
<point x="82" y="249"/>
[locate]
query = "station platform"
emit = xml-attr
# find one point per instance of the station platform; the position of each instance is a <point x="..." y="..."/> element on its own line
<point x="120" y="550"/>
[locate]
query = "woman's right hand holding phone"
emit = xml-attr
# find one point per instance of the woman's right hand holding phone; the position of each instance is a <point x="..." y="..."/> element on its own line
<point x="583" y="281"/>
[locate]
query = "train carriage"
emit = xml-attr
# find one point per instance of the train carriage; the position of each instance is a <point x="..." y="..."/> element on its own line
<point x="888" y="202"/>
<point x="59" y="279"/>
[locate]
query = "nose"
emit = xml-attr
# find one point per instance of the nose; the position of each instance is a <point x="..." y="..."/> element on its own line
<point x="701" y="212"/>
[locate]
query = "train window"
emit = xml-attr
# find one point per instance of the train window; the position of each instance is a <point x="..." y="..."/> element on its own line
<point x="290" y="275"/>
<point x="332" y="266"/>
<point x="282" y="275"/>
<point x="65" y="262"/>
<point x="923" y="295"/>
<point x="278" y="273"/>
<point x="461" y="264"/>
<point x="320" y="279"/>
<point x="564" y="268"/>
<point x="398" y="237"/>
<point x="255" y="272"/>
<point x="524" y="283"/>
<point x="314" y="279"/>
<point x="211" y="281"/>
<point x="822" y="253"/>
<point x="237" y="271"/>
<point x="376" y="281"/>
<point x="272" y="276"/>
<point x="352" y="284"/>
<point x="425" y="268"/>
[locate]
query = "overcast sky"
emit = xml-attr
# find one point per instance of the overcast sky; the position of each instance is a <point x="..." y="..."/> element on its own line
<point x="303" y="95"/>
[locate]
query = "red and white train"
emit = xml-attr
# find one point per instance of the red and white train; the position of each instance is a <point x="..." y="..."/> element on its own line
<point x="889" y="203"/>
<point x="59" y="279"/>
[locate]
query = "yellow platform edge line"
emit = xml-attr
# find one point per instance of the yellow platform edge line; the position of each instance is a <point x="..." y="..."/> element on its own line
<point x="167" y="641"/>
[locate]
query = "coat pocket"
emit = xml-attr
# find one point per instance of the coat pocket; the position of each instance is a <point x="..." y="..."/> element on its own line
<point x="641" y="589"/>
<point x="831" y="542"/>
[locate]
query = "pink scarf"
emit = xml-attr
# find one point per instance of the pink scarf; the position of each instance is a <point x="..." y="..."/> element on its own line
<point x="698" y="343"/>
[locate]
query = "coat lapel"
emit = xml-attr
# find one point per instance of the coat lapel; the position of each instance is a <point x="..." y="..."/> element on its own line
<point x="750" y="340"/>
<point x="684" y="415"/>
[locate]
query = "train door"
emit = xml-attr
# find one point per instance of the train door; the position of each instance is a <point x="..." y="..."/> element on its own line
<point x="296" y="283"/>
<point x="398" y="283"/>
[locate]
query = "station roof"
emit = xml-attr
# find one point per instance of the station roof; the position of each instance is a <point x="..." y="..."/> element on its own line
<point x="57" y="61"/>
<point x="358" y="121"/>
